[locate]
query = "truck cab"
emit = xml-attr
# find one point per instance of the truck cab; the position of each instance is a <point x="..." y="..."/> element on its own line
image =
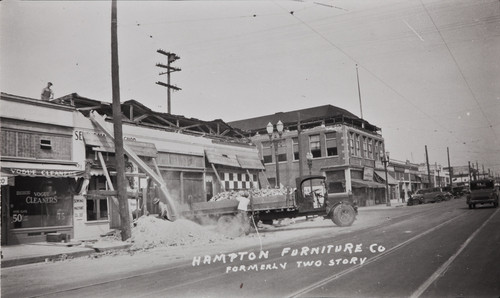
<point x="311" y="198"/>
<point x="483" y="192"/>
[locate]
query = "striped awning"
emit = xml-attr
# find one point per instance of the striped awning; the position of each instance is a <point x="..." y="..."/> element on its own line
<point x="222" y="159"/>
<point x="250" y="162"/>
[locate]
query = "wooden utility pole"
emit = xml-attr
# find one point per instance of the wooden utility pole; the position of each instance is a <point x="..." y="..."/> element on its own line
<point x="121" y="188"/>
<point x="450" y="170"/>
<point x="359" y="95"/>
<point x="299" y="143"/>
<point x="171" y="57"/>
<point x="470" y="175"/>
<point x="428" y="167"/>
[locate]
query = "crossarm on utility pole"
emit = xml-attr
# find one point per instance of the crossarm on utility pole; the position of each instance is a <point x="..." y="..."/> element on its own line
<point x="164" y="194"/>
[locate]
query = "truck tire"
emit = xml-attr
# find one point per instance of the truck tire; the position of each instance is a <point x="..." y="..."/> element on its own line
<point x="343" y="215"/>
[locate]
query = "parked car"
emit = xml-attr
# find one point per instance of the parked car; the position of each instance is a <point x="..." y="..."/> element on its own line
<point x="459" y="191"/>
<point x="428" y="195"/>
<point x="483" y="192"/>
<point x="448" y="194"/>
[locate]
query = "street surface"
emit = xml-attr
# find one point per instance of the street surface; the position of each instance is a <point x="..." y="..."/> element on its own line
<point x="433" y="250"/>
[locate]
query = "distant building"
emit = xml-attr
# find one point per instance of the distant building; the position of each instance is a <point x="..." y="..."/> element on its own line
<point x="345" y="148"/>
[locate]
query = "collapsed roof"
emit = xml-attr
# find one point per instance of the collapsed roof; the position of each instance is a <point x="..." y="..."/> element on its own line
<point x="134" y="112"/>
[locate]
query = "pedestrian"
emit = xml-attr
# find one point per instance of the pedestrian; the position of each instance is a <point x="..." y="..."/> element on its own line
<point x="47" y="93"/>
<point x="163" y="208"/>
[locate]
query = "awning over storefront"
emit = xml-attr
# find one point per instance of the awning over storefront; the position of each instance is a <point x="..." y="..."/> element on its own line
<point x="357" y="183"/>
<point x="250" y="163"/>
<point x="222" y="159"/>
<point x="40" y="170"/>
<point x="105" y="144"/>
<point x="391" y="180"/>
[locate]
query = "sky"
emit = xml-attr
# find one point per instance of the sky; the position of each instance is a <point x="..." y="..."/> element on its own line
<point x="429" y="70"/>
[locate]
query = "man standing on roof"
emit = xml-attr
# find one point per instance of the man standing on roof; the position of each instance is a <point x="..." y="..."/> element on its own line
<point x="47" y="93"/>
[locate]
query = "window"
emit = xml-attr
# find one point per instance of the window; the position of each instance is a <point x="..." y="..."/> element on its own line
<point x="45" y="144"/>
<point x="315" y="146"/>
<point x="376" y="150"/>
<point x="267" y="152"/>
<point x="282" y="157"/>
<point x="358" y="145"/>
<point x="365" y="147"/>
<point x="97" y="207"/>
<point x="351" y="144"/>
<point x="295" y="142"/>
<point x="40" y="202"/>
<point x="331" y="144"/>
<point x="370" y="148"/>
<point x="381" y="150"/>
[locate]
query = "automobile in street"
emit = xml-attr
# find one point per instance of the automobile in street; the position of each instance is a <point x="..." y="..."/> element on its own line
<point x="483" y="191"/>
<point x="428" y="195"/>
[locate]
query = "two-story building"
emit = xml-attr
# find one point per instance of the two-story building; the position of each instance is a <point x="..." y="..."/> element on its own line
<point x="345" y="148"/>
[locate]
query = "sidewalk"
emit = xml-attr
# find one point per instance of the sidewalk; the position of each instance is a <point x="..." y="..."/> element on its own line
<point x="394" y="204"/>
<point x="15" y="255"/>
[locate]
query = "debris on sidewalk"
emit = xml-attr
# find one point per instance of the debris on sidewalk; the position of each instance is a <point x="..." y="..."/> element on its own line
<point x="153" y="232"/>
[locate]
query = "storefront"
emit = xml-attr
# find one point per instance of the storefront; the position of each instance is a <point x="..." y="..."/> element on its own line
<point x="37" y="199"/>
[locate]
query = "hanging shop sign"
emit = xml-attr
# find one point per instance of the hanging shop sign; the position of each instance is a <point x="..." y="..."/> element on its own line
<point x="42" y="173"/>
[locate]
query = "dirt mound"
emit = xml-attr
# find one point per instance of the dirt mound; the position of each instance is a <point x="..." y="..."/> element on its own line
<point x="152" y="232"/>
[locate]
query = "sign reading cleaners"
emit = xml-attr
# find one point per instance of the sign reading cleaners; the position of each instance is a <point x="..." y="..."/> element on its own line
<point x="41" y="202"/>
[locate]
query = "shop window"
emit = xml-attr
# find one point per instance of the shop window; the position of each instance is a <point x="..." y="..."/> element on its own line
<point x="315" y="146"/>
<point x="45" y="144"/>
<point x="97" y="207"/>
<point x="41" y="202"/>
<point x="331" y="144"/>
<point x="295" y="145"/>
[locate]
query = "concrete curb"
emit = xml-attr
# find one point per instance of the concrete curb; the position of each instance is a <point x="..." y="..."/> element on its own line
<point x="45" y="258"/>
<point x="51" y="256"/>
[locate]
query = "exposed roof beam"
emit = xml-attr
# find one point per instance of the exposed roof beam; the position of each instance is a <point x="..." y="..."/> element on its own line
<point x="137" y="119"/>
<point x="165" y="121"/>
<point x="89" y="108"/>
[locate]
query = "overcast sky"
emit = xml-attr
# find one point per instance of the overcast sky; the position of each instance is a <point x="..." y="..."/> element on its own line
<point x="429" y="70"/>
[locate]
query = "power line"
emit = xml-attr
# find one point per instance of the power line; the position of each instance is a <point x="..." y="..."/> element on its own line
<point x="459" y="68"/>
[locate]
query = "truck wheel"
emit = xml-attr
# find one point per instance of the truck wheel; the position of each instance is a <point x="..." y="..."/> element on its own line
<point x="470" y="206"/>
<point x="343" y="215"/>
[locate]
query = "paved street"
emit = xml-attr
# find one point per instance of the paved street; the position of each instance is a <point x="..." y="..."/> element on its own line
<point x="432" y="250"/>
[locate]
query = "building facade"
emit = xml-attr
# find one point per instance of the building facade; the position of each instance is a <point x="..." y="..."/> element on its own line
<point x="346" y="149"/>
<point x="58" y="168"/>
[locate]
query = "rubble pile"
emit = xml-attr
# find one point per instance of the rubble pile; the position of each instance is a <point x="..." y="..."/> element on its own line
<point x="151" y="232"/>
<point x="233" y="195"/>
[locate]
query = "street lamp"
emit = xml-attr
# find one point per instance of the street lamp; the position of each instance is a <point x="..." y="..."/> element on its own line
<point x="275" y="139"/>
<point x="309" y="158"/>
<point x="385" y="160"/>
